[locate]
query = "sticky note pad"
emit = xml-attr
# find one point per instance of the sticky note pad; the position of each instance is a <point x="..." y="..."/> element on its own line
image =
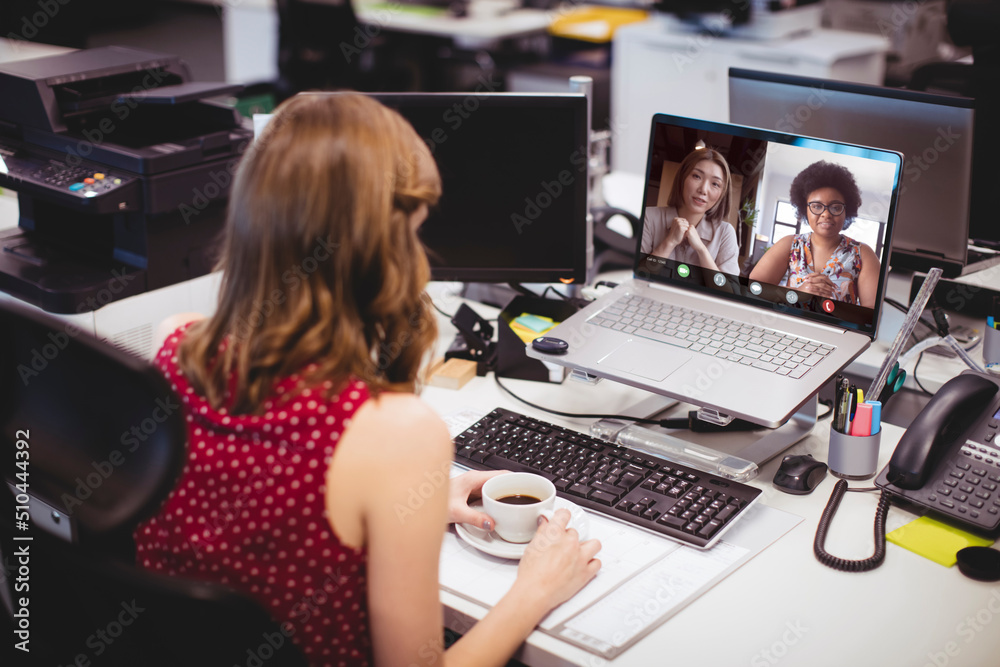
<point x="536" y="323"/>
<point x="934" y="540"/>
<point x="524" y="333"/>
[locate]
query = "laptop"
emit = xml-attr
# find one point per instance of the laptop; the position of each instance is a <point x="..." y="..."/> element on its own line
<point x="750" y="349"/>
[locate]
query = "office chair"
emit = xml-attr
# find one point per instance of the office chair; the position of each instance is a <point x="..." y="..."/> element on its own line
<point x="105" y="442"/>
<point x="611" y="249"/>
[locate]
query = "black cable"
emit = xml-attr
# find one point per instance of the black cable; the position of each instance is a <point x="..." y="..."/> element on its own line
<point x="639" y="420"/>
<point x="522" y="290"/>
<point x="554" y="291"/>
<point x="844" y="564"/>
<point x="441" y="311"/>
<point x="921" y="320"/>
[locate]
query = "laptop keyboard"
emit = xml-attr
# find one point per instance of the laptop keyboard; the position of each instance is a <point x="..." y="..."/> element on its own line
<point x="687" y="505"/>
<point x="739" y="342"/>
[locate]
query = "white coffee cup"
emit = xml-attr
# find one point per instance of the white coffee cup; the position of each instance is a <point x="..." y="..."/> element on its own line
<point x="518" y="522"/>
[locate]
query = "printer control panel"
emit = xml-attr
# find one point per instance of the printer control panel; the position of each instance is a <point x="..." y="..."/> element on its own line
<point x="84" y="180"/>
<point x="84" y="185"/>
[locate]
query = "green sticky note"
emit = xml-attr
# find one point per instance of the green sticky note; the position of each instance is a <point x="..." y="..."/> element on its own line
<point x="535" y="322"/>
<point x="934" y="540"/>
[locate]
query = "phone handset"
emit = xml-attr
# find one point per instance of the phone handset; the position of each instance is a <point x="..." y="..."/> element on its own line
<point x="957" y="405"/>
<point x="953" y="408"/>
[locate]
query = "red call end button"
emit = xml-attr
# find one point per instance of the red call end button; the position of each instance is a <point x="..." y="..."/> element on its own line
<point x="828" y="306"/>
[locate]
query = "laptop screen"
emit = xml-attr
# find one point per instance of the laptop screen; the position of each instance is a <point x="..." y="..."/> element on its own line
<point x="799" y="225"/>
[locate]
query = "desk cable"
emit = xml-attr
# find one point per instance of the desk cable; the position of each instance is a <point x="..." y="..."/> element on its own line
<point x="844" y="564"/>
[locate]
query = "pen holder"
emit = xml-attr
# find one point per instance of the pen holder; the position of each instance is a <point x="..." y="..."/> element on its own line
<point x="991" y="346"/>
<point x="853" y="456"/>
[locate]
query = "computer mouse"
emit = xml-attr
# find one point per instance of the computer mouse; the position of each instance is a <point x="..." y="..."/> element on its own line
<point x="550" y="345"/>
<point x="799" y="474"/>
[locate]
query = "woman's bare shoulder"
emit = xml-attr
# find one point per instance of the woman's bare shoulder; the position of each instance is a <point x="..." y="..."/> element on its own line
<point x="392" y="423"/>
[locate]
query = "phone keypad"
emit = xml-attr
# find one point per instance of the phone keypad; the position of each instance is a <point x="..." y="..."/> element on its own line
<point x="969" y="488"/>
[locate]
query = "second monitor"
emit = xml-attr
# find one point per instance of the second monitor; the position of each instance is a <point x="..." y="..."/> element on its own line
<point x="514" y="174"/>
<point x="938" y="190"/>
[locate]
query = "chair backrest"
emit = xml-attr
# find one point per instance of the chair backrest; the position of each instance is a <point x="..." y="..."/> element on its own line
<point x="105" y="431"/>
<point x="106" y="441"/>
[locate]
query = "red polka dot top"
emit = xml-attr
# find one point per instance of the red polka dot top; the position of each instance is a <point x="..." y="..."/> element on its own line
<point x="249" y="512"/>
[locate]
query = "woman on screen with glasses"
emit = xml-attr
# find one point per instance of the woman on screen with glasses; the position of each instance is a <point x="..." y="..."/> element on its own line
<point x="317" y="481"/>
<point x="824" y="261"/>
<point x="690" y="227"/>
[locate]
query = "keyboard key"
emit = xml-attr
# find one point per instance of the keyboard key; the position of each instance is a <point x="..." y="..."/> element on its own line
<point x="604" y="497"/>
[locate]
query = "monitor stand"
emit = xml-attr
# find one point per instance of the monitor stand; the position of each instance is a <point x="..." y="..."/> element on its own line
<point x="742" y="465"/>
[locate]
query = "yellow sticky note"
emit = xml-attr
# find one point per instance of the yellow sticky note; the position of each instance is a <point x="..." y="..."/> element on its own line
<point x="934" y="540"/>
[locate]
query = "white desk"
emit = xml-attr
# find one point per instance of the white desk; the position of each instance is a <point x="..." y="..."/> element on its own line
<point x="783" y="607"/>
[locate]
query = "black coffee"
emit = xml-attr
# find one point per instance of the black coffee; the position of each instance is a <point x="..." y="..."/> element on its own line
<point x="519" y="499"/>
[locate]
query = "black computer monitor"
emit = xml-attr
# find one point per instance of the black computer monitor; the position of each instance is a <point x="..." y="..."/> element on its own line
<point x="935" y="133"/>
<point x="514" y="172"/>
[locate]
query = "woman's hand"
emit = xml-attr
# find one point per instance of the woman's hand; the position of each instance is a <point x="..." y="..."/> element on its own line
<point x="675" y="236"/>
<point x="464" y="486"/>
<point x="819" y="284"/>
<point x="694" y="239"/>
<point x="556" y="565"/>
<point x="679" y="229"/>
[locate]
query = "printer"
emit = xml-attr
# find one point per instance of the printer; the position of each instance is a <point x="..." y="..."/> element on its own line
<point x="122" y="167"/>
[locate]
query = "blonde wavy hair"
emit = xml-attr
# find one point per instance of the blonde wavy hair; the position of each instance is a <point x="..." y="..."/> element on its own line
<point x="322" y="267"/>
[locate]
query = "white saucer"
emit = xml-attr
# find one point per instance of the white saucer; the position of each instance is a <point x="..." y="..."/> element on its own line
<point x="489" y="542"/>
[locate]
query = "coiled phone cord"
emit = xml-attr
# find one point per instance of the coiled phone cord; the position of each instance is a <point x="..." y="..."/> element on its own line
<point x="844" y="564"/>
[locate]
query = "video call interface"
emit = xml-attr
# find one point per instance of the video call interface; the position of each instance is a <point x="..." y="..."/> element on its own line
<point x="800" y="226"/>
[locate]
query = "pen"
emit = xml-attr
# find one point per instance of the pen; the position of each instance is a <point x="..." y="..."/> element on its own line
<point x="844" y="405"/>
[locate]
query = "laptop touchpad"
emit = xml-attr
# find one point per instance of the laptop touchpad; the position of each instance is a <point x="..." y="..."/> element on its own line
<point x="644" y="359"/>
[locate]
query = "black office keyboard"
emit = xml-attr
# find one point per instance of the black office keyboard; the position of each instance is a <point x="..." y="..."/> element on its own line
<point x="682" y="503"/>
